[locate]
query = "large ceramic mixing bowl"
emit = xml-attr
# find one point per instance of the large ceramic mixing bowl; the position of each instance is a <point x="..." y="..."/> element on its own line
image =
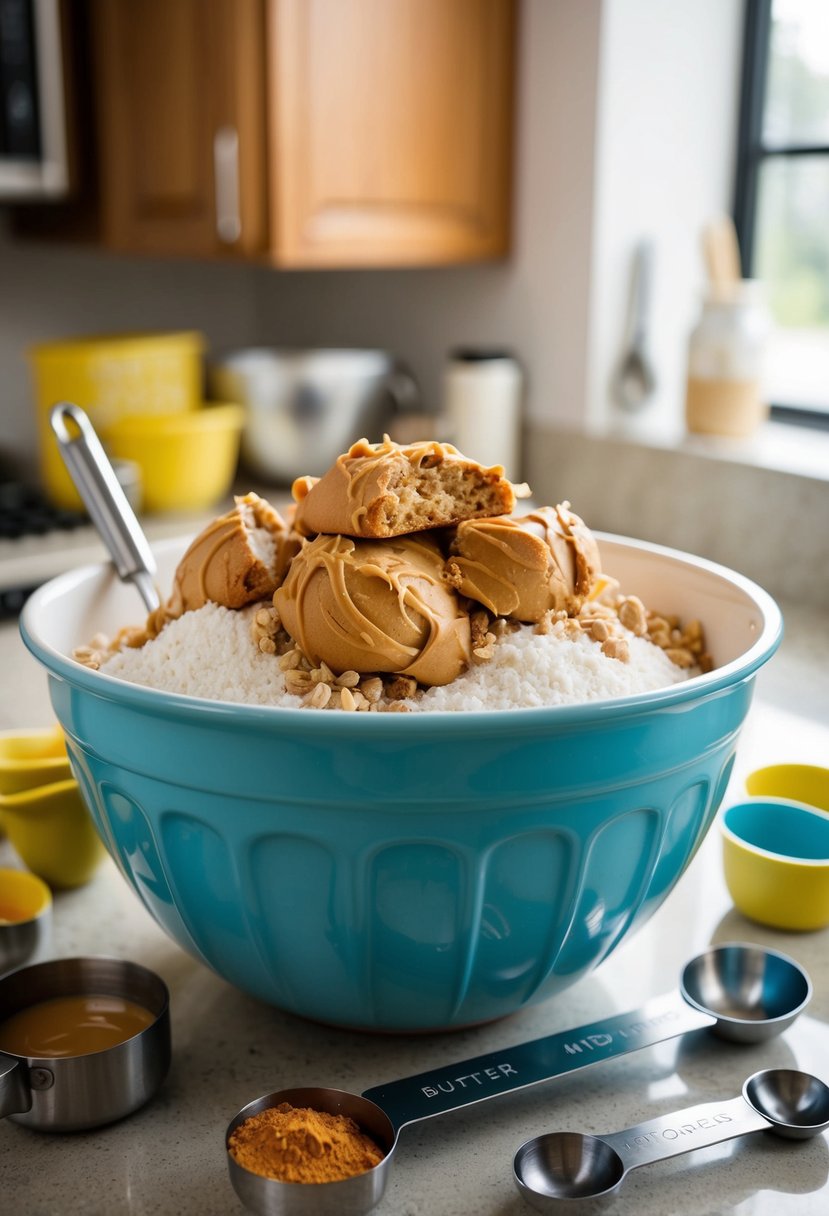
<point x="406" y="871"/>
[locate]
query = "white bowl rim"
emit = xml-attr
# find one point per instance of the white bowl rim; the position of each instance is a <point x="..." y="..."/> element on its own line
<point x="415" y="724"/>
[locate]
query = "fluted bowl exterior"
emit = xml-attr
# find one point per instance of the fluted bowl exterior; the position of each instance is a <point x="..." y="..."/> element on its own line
<point x="406" y="871"/>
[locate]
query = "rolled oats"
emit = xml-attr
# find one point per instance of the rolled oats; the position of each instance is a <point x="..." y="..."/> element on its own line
<point x="616" y="648"/>
<point x="348" y="679"/>
<point x="297" y="681"/>
<point x="372" y="689"/>
<point x="290" y="660"/>
<point x="681" y="656"/>
<point x="632" y="615"/>
<point x="319" y="696"/>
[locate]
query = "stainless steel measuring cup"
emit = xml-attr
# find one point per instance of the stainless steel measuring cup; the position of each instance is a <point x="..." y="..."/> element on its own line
<point x="77" y="1092"/>
<point x="744" y="993"/>
<point x="569" y="1171"/>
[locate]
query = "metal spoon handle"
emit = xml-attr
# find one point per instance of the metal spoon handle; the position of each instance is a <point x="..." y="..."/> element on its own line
<point x="458" y="1085"/>
<point x="643" y="272"/>
<point x="684" y="1131"/>
<point x="105" y="501"/>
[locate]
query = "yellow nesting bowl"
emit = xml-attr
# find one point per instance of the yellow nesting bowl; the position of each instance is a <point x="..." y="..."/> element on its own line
<point x="30" y="758"/>
<point x="52" y="833"/>
<point x="187" y="460"/>
<point x="111" y="376"/>
<point x="25" y="918"/>
<point x="802" y="782"/>
<point x="776" y="862"/>
<point x="23" y="897"/>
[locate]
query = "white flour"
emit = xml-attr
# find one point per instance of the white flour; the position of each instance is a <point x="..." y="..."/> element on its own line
<point x="209" y="654"/>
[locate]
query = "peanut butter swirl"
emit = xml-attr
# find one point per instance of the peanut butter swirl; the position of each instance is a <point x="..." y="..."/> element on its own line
<point x="387" y="489"/>
<point x="524" y="567"/>
<point x="370" y="606"/>
<point x="237" y="559"/>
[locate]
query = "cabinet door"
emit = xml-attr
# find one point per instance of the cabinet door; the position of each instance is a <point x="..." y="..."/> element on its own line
<point x="181" y="125"/>
<point x="390" y="130"/>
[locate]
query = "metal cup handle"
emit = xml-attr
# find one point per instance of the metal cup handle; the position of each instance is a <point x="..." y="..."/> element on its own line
<point x="15" y="1094"/>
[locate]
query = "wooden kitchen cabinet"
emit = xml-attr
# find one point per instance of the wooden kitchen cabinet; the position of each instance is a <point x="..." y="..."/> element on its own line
<point x="179" y="99"/>
<point x="306" y="133"/>
<point x="390" y="138"/>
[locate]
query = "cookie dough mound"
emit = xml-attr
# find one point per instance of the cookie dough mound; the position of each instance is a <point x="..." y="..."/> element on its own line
<point x="375" y="606"/>
<point x="525" y="567"/>
<point x="386" y="489"/>
<point x="239" y="558"/>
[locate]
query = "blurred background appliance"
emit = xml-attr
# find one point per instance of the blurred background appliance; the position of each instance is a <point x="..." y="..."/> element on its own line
<point x="305" y="407"/>
<point x="34" y="136"/>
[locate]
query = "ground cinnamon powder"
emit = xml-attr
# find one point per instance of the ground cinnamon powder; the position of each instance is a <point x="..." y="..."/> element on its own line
<point x="297" y="1144"/>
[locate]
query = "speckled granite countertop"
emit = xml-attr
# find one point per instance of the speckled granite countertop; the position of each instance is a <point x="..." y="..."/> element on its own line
<point x="168" y="1159"/>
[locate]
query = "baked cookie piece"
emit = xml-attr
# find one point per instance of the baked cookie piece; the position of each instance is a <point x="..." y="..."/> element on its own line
<point x="386" y="489"/>
<point x="239" y="558"/>
<point x="375" y="606"/>
<point x="523" y="568"/>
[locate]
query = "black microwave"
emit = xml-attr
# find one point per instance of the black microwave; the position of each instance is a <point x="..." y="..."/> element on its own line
<point x="34" y="161"/>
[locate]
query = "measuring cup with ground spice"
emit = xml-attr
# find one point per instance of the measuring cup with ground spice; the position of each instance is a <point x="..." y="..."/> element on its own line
<point x="284" y="1163"/>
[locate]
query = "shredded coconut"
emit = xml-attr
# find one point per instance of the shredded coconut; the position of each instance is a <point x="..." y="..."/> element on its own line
<point x="209" y="654"/>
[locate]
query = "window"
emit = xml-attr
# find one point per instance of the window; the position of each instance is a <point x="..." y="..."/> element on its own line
<point x="782" y="196"/>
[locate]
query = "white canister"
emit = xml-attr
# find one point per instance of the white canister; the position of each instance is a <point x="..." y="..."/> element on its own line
<point x="482" y="404"/>
<point x="726" y="354"/>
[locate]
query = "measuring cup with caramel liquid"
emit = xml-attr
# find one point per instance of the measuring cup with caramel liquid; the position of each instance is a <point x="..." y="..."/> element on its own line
<point x="83" y="1042"/>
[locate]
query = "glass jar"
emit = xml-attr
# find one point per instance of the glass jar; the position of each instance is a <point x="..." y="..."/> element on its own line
<point x="724" y="393"/>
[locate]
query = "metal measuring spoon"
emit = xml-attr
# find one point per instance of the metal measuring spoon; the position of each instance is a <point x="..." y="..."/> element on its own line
<point x="107" y="504"/>
<point x="567" y="1171"/>
<point x="743" y="993"/>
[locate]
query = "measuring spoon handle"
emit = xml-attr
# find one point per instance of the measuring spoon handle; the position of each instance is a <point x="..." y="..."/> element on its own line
<point x="458" y="1085"/>
<point x="684" y="1131"/>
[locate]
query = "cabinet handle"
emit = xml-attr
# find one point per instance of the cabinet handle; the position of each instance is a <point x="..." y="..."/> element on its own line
<point x="226" y="170"/>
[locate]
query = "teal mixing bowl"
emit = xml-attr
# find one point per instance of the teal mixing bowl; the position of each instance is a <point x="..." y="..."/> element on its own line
<point x="406" y="871"/>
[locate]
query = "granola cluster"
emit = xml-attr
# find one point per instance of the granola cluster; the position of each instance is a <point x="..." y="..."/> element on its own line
<point x="605" y="619"/>
<point x="607" y="616"/>
<point x="319" y="687"/>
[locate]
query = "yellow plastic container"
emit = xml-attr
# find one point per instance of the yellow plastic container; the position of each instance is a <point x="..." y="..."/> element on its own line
<point x="25" y="918"/>
<point x="187" y="461"/>
<point x="776" y="862"/>
<point x="111" y="377"/>
<point x="23" y="897"/>
<point x="52" y="833"/>
<point x="31" y="758"/>
<point x="801" y="782"/>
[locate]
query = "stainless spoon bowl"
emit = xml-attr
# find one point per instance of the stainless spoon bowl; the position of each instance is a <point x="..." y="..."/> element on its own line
<point x="567" y="1171"/>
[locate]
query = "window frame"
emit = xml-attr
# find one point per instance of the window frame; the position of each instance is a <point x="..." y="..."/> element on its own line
<point x="752" y="151"/>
